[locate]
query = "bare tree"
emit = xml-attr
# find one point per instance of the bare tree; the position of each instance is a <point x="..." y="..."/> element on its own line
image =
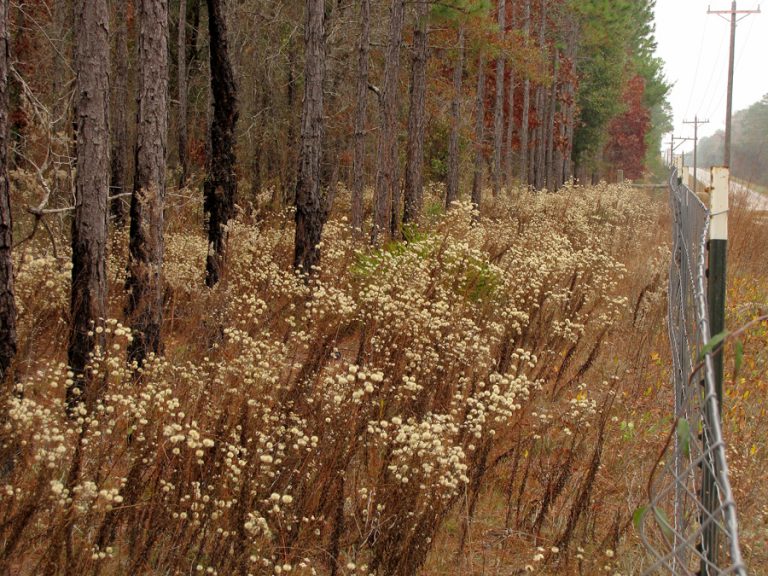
<point x="7" y="299"/>
<point x="89" y="225"/>
<point x="386" y="158"/>
<point x="220" y="188"/>
<point x="498" y="114"/>
<point x="477" y="180"/>
<point x="358" y="162"/>
<point x="145" y="259"/>
<point x="311" y="208"/>
<point x="452" y="189"/>
<point x="182" y="85"/>
<point x="414" y="185"/>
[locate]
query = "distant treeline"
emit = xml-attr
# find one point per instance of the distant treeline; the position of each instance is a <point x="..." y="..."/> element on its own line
<point x="749" y="148"/>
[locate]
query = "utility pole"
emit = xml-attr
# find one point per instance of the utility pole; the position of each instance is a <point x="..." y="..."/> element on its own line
<point x="672" y="148"/>
<point x="717" y="248"/>
<point x="695" y="123"/>
<point x="735" y="17"/>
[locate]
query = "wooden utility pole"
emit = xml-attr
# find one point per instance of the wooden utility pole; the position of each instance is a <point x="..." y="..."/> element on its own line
<point x="733" y="16"/>
<point x="673" y="147"/>
<point x="716" y="281"/>
<point x="695" y="123"/>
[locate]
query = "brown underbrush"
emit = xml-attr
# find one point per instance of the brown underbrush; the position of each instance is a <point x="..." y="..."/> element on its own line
<point x="484" y="397"/>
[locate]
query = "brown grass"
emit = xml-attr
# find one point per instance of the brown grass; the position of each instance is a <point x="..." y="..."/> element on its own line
<point x="464" y="403"/>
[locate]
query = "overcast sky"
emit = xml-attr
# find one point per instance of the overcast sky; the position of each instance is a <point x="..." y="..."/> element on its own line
<point x="694" y="47"/>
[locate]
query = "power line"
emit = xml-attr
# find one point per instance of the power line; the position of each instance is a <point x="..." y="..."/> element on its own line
<point x="735" y="17"/>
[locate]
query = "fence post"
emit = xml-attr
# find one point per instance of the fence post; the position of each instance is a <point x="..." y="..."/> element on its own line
<point x="716" y="282"/>
<point x="718" y="249"/>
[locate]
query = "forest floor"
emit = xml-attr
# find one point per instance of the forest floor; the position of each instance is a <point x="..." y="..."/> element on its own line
<point x="487" y="397"/>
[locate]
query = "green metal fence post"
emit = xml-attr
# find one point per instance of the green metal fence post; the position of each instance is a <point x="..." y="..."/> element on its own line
<point x="716" y="283"/>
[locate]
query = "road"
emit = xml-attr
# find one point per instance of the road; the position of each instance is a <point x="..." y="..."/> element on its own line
<point x="739" y="193"/>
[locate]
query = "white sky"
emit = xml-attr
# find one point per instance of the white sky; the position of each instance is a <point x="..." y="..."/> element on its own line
<point x="694" y="47"/>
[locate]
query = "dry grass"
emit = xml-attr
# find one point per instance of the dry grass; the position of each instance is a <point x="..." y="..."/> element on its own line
<point x="746" y="393"/>
<point x="482" y="399"/>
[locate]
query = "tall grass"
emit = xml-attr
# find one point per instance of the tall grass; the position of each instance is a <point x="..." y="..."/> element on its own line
<point x="482" y="398"/>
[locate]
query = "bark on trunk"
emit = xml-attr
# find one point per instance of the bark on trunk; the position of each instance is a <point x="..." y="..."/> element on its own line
<point x="182" y="82"/>
<point x="452" y="188"/>
<point x="288" y="194"/>
<point x="559" y="158"/>
<point x="7" y="299"/>
<point x="498" y="116"/>
<point x="120" y="100"/>
<point x="525" y="120"/>
<point x="550" y="164"/>
<point x="145" y="258"/>
<point x="477" y="179"/>
<point x="540" y="138"/>
<point x="261" y="104"/>
<point x="570" y="97"/>
<point x="358" y="179"/>
<point x="311" y="209"/>
<point x="386" y="157"/>
<point x="569" y="130"/>
<point x="414" y="186"/>
<point x="89" y="225"/>
<point x="508" y="151"/>
<point x="62" y="17"/>
<point x="541" y="109"/>
<point x="220" y="188"/>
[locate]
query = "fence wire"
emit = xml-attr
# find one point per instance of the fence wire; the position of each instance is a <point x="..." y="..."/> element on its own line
<point x="689" y="525"/>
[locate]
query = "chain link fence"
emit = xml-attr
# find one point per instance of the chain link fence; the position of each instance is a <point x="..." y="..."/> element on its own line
<point x="689" y="525"/>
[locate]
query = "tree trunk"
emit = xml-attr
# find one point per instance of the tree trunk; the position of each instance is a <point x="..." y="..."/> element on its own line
<point x="311" y="209"/>
<point x="7" y="299"/>
<point x="452" y="188"/>
<point x="414" y="185"/>
<point x="193" y="50"/>
<point x="541" y="108"/>
<point x="525" y="120"/>
<point x="261" y="104"/>
<point x="182" y="81"/>
<point x="62" y="18"/>
<point x="386" y="158"/>
<point x="570" y="102"/>
<point x="145" y="259"/>
<point x="540" y="142"/>
<point x="498" y="116"/>
<point x="477" y="179"/>
<point x="569" y="130"/>
<point x="358" y="162"/>
<point x="550" y="163"/>
<point x="121" y="103"/>
<point x="559" y="157"/>
<point x="220" y="188"/>
<point x="508" y="151"/>
<point x="287" y="195"/>
<point x="89" y="225"/>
